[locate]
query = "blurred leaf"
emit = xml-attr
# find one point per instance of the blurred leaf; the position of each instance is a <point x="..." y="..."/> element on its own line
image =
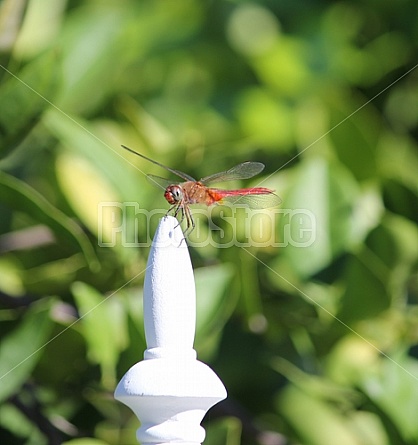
<point x="401" y="199"/>
<point x="366" y="288"/>
<point x="40" y="29"/>
<point x="395" y="391"/>
<point x="318" y="215"/>
<point x="104" y="328"/>
<point x="109" y="162"/>
<point x="14" y="421"/>
<point x="380" y="271"/>
<point x="395" y="243"/>
<point x="350" y="359"/>
<point x="226" y="431"/>
<point x="367" y="213"/>
<point x="24" y="97"/>
<point x="85" y="441"/>
<point x="21" y="349"/>
<point x="264" y="119"/>
<point x="214" y="304"/>
<point x="316" y="386"/>
<point x="54" y="275"/>
<point x="89" y="195"/>
<point x="315" y="422"/>
<point x="84" y="65"/>
<point x="20" y="196"/>
<point x="68" y="350"/>
<point x="391" y="51"/>
<point x="252" y="29"/>
<point x="10" y="277"/>
<point x="398" y="155"/>
<point x="402" y="110"/>
<point x="107" y="29"/>
<point x="354" y="133"/>
<point x="369" y="428"/>
<point x="11" y="17"/>
<point x="284" y="67"/>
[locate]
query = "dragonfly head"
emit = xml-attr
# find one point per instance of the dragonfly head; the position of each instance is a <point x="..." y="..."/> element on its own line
<point x="173" y="194"/>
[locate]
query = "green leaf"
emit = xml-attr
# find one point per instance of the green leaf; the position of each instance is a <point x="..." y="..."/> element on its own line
<point x="366" y="293"/>
<point x="104" y="328"/>
<point x="355" y="138"/>
<point x="90" y="70"/>
<point x="20" y="196"/>
<point x="11" y="18"/>
<point x="23" y="98"/>
<point x="79" y="137"/>
<point x="401" y="199"/>
<point x="264" y="119"/>
<point x="84" y="65"/>
<point x="395" y="243"/>
<point x="318" y="221"/>
<point x="214" y="305"/>
<point x="86" y="441"/>
<point x="313" y="421"/>
<point x="224" y="432"/>
<point x="14" y="421"/>
<point x="380" y="272"/>
<point x="395" y="392"/>
<point x="21" y="349"/>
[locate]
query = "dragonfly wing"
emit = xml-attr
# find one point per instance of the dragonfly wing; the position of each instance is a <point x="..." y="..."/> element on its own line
<point x="160" y="182"/>
<point x="264" y="201"/>
<point x="245" y="170"/>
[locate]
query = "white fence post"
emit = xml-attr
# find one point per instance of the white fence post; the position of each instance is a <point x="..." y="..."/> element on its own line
<point x="170" y="391"/>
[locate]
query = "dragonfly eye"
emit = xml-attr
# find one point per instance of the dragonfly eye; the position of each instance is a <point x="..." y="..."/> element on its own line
<point x="173" y="194"/>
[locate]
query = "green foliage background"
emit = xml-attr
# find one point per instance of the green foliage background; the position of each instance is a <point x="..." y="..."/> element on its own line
<point x="315" y="344"/>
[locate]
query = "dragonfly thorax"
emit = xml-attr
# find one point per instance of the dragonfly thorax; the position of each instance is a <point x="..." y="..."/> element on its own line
<point x="173" y="194"/>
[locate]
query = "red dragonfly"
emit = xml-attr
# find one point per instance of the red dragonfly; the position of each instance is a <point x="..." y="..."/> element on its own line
<point x="181" y="195"/>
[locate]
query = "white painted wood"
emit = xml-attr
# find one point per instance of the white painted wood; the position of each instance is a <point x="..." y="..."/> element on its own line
<point x="170" y="391"/>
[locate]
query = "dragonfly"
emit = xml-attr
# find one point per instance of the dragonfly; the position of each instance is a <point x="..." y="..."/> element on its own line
<point x="180" y="195"/>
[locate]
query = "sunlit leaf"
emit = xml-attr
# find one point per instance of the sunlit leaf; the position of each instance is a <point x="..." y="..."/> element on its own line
<point x="109" y="161"/>
<point x="314" y="421"/>
<point x="395" y="392"/>
<point x="103" y="326"/>
<point x="264" y="119"/>
<point x="11" y="13"/>
<point x="89" y="195"/>
<point x="350" y="359"/>
<point x="284" y="66"/>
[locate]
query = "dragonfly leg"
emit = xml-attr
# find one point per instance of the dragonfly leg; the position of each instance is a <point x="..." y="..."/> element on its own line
<point x="180" y="207"/>
<point x="190" y="222"/>
<point x="176" y="208"/>
<point x="182" y="213"/>
<point x="185" y="215"/>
